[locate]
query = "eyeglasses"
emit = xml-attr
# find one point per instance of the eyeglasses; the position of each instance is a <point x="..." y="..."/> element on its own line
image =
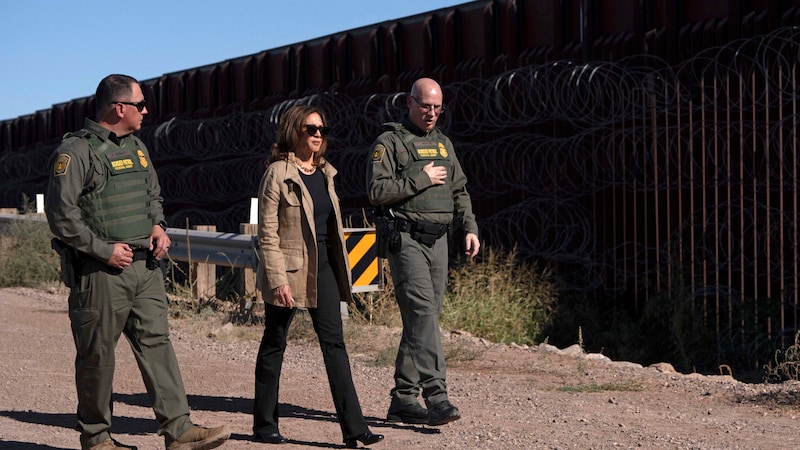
<point x="139" y="105"/>
<point x="312" y="130"/>
<point x="427" y="107"/>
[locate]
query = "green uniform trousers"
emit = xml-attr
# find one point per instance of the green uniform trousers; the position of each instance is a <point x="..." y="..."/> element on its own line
<point x="419" y="274"/>
<point x="101" y="307"/>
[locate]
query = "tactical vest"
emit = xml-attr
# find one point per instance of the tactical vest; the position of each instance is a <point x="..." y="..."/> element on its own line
<point x="119" y="209"/>
<point x="415" y="153"/>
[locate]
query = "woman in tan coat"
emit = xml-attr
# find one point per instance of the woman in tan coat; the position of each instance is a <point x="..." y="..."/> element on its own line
<point x="303" y="265"/>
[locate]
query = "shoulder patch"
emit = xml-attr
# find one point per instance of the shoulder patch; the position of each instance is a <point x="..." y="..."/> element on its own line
<point x="377" y="153"/>
<point x="61" y="165"/>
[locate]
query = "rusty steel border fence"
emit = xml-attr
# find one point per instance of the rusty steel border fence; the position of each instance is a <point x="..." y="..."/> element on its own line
<point x="638" y="180"/>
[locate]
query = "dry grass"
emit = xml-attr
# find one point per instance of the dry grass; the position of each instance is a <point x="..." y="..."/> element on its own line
<point x="627" y="386"/>
<point x="787" y="363"/>
<point x="377" y="308"/>
<point x="26" y="258"/>
<point x="500" y="299"/>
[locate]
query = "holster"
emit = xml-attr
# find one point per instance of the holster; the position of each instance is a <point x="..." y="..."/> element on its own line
<point x="70" y="262"/>
<point x="153" y="263"/>
<point x="387" y="236"/>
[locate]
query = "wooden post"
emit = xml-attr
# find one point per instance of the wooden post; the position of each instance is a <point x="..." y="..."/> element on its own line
<point x="204" y="285"/>
<point x="251" y="296"/>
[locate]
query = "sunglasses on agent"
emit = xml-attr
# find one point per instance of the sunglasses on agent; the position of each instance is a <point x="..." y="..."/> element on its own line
<point x="139" y="105"/>
<point x="312" y="130"/>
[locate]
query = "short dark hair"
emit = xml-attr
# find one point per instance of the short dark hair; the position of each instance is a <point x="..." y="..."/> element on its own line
<point x="111" y="89"/>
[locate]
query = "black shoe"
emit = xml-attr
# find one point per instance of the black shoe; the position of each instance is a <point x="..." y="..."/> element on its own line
<point x="442" y="413"/>
<point x="367" y="438"/>
<point x="272" y="438"/>
<point x="408" y="413"/>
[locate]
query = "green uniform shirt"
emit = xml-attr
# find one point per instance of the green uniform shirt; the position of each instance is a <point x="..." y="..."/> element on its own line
<point x="76" y="170"/>
<point x="386" y="185"/>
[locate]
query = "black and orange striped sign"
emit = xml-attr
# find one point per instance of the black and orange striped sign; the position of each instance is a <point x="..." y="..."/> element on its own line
<point x="363" y="256"/>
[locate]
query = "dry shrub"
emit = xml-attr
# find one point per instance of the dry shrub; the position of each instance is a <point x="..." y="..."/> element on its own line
<point x="377" y="308"/>
<point x="496" y="297"/>
<point x="500" y="299"/>
<point x="27" y="258"/>
<point x="787" y="364"/>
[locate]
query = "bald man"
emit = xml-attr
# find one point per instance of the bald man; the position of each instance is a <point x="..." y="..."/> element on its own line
<point x="417" y="184"/>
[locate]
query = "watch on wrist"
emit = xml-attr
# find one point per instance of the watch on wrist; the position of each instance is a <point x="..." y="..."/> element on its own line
<point x="163" y="224"/>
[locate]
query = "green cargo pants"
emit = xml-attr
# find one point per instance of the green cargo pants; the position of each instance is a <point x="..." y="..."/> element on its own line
<point x="101" y="307"/>
<point x="419" y="274"/>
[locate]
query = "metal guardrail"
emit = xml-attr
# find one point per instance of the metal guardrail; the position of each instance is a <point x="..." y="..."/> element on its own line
<point x="211" y="247"/>
<point x="221" y="249"/>
<point x="8" y="218"/>
<point x="241" y="251"/>
<point x="208" y="247"/>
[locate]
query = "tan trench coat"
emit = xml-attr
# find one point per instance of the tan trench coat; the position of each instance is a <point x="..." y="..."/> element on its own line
<point x="287" y="238"/>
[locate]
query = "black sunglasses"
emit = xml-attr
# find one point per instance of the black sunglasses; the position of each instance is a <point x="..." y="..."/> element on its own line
<point x="139" y="105"/>
<point x="312" y="130"/>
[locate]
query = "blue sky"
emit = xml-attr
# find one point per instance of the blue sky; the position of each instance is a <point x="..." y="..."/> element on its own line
<point x="53" y="51"/>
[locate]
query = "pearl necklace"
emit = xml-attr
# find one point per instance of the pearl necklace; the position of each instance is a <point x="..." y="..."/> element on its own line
<point x="304" y="169"/>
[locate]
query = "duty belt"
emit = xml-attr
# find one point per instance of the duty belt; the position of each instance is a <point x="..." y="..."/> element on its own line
<point x="404" y="225"/>
<point x="139" y="254"/>
<point x="422" y="231"/>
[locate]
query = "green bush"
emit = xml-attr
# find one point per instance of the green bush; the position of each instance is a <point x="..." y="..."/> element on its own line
<point x="500" y="299"/>
<point x="26" y="258"/>
<point x="495" y="297"/>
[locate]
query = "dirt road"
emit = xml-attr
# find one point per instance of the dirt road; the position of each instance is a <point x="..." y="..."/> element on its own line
<point x="509" y="397"/>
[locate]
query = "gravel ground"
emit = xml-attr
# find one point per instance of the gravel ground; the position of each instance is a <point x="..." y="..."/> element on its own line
<point x="509" y="396"/>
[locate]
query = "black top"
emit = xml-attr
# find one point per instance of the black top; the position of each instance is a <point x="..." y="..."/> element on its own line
<point x="315" y="183"/>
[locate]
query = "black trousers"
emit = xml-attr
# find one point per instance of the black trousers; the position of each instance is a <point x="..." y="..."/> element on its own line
<point x="327" y="320"/>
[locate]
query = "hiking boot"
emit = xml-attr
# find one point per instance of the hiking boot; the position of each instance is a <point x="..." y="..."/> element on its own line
<point x="407" y="413"/>
<point x="110" y="444"/>
<point x="200" y="438"/>
<point x="442" y="413"/>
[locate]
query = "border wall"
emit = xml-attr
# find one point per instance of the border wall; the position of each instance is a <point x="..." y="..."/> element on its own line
<point x="646" y="150"/>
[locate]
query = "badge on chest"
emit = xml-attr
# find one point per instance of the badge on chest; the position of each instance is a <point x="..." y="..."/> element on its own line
<point x="120" y="161"/>
<point x="430" y="150"/>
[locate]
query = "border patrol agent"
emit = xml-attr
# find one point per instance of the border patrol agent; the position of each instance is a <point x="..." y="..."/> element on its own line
<point x="104" y="206"/>
<point x="419" y="188"/>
